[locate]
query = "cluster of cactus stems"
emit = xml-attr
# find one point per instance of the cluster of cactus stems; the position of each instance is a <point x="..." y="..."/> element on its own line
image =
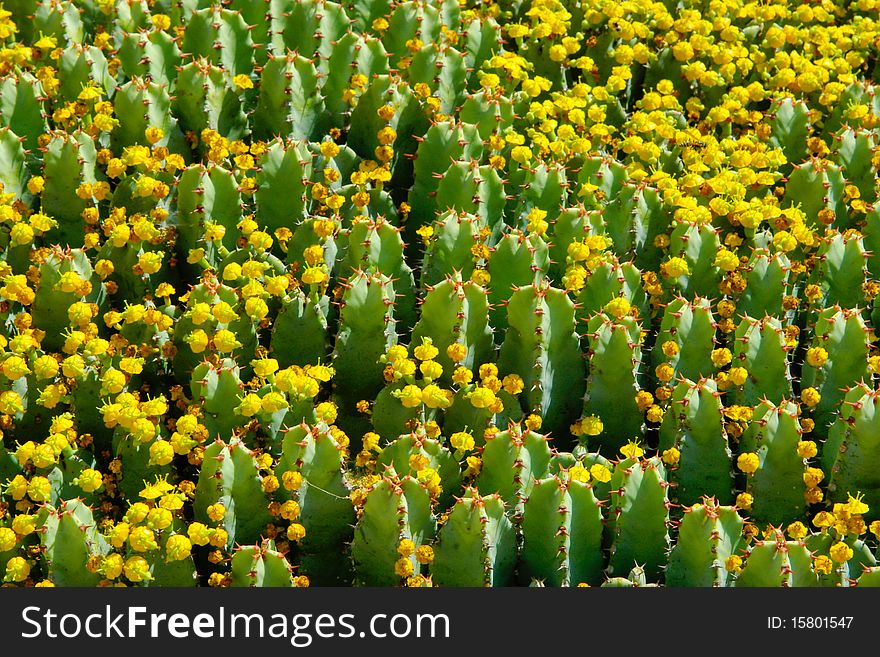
<point x="455" y="293"/>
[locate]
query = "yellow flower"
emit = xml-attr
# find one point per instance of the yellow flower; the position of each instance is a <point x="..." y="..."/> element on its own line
<point x="425" y="554"/>
<point x="618" y="307"/>
<point x="142" y="539"/>
<point x="89" y="480"/>
<point x="812" y="477"/>
<point x="410" y="396"/>
<point x="403" y="567"/>
<point x="664" y="372"/>
<point x="784" y="241"/>
<point x="579" y="473"/>
<point x="810" y="397"/>
<point x="482" y="397"/>
<point x="855" y="506"/>
<point x="670" y="348"/>
<point x="823" y="565"/>
<point x="817" y="356"/>
<point x="456" y="352"/>
<point x="250" y="405"/>
<point x="840" y="552"/>
<point x="161" y="453"/>
<point x="178" y="548"/>
<point x="292" y="480"/>
<point x="160" y="21"/>
<point x="154" y="134"/>
<point x="671" y="456"/>
<point x="733" y="563"/>
<point x="314" y="276"/>
<point x="296" y="532"/>
<point x="137" y="569"/>
<point x="807" y="449"/>
<point x="748" y="462"/>
<point x="242" y="82"/>
<point x="513" y="384"/>
<point x="600" y="473"/>
<point x="426" y="350"/>
<point x="632" y="450"/>
<point x="225" y="341"/>
<point x="435" y="397"/>
<point x="744" y="501"/>
<point x="462" y="441"/>
<point x="726" y="260"/>
<point x="721" y="357"/>
<point x="675" y="267"/>
<point x="738" y="375"/>
<point x="591" y="426"/>
<point x="8" y="539"/>
<point x="197" y="341"/>
<point x="462" y="376"/>
<point x="797" y="530"/>
<point x="17" y="570"/>
<point x="431" y="370"/>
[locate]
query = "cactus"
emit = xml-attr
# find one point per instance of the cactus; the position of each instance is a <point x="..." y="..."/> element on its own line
<point x="70" y="538"/>
<point x="817" y="188"/>
<point x="639" y="516"/>
<point x="221" y="36"/>
<point x="442" y="142"/>
<point x="708" y="535"/>
<point x="613" y="379"/>
<point x="398" y="455"/>
<point x="22" y="109"/>
<point x="366" y="330"/>
<point x="152" y="54"/>
<point x="64" y="278"/>
<point x="776" y="563"/>
<point x="229" y="476"/>
<point x="847" y="454"/>
<point x="376" y="246"/>
<point x="777" y="486"/>
<point x="610" y="280"/>
<point x="517" y="260"/>
<point x="300" y="332"/>
<point x="205" y="100"/>
<point x="693" y="427"/>
<point x="468" y="188"/>
<point x="81" y="66"/>
<point x="450" y="252"/>
<point x="690" y="328"/>
<point x="512" y="461"/>
<point x="767" y="283"/>
<point x="562" y="534"/>
<point x="542" y="347"/>
<point x="206" y="196"/>
<point x="260" y="565"/>
<point x="315" y="461"/>
<point x="351" y="54"/>
<point x="218" y="389"/>
<point x="395" y="510"/>
<point x="281" y="184"/>
<point x="69" y="161"/>
<point x="456" y="312"/>
<point x="789" y="128"/>
<point x="476" y="545"/>
<point x="841" y="333"/>
<point x="364" y="263"/>
<point x="141" y="104"/>
<point x="760" y="349"/>
<point x="290" y="104"/>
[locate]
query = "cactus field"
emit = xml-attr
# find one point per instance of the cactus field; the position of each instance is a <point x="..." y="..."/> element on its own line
<point x="447" y="293"/>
